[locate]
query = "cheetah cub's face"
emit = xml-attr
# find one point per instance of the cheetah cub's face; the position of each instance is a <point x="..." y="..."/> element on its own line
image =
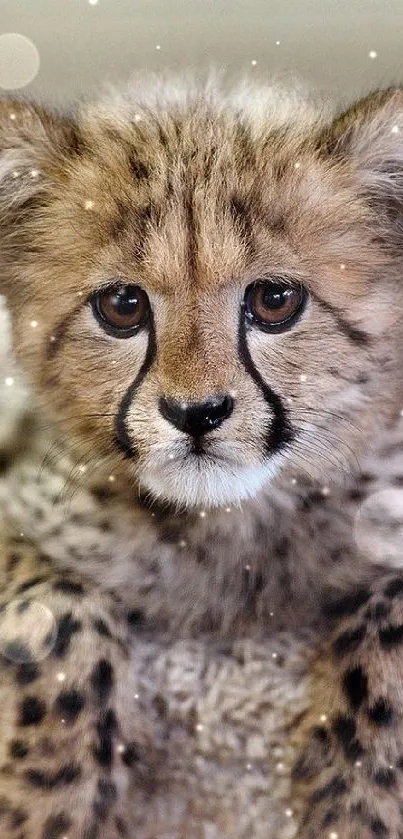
<point x="206" y="287"/>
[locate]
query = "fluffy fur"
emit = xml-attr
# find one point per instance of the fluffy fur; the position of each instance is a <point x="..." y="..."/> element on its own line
<point x="193" y="192"/>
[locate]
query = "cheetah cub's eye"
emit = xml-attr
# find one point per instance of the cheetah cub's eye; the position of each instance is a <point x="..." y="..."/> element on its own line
<point x="274" y="306"/>
<point x="121" y="310"/>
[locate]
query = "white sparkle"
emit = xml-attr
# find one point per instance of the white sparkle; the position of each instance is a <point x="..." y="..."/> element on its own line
<point x="297" y="165"/>
<point x="22" y="535"/>
<point x="13" y="115"/>
<point x="171" y="457"/>
<point x="247" y="567"/>
<point x="333" y="835"/>
<point x="136" y="695"/>
<point x="80" y="293"/>
<point x="271" y="614"/>
<point x="303" y="377"/>
<point x="34" y="324"/>
<point x="63" y="722"/>
<point x="253" y="62"/>
<point x="111" y="479"/>
<point x="288" y="812"/>
<point x="401" y="413"/>
<point x="323" y="718"/>
<point x="274" y="655"/>
<point x="199" y="727"/>
<point x="137" y="117"/>
<point x="9" y="381"/>
<point x="277" y="43"/>
<point x="202" y="514"/>
<point x="34" y="173"/>
<point x="372" y="54"/>
<point x="280" y="767"/>
<point x="325" y="491"/>
<point x="342" y="266"/>
<point x="82" y="468"/>
<point x="182" y="543"/>
<point x="228" y="509"/>
<point x="158" y="46"/>
<point x="121" y="748"/>
<point x="293" y="481"/>
<point x="61" y="677"/>
<point x="93" y="2"/>
<point x="15" y="174"/>
<point x="358" y="764"/>
<point x="88" y="205"/>
<point x="249" y="766"/>
<point x="395" y="129"/>
<point x="52" y="339"/>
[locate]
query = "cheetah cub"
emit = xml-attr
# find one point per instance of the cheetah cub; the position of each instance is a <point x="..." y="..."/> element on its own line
<point x="205" y="289"/>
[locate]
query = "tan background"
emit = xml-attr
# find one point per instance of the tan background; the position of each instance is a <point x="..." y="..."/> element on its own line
<point x="325" y="41"/>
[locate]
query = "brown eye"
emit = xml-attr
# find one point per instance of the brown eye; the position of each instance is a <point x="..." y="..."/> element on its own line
<point x="121" y="310"/>
<point x="273" y="306"/>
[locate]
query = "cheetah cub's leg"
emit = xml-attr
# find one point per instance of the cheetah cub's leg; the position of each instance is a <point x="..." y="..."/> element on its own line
<point x="70" y="733"/>
<point x="350" y="769"/>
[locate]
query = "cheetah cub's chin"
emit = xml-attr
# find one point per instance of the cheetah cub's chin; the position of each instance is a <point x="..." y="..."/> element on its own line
<point x="195" y="483"/>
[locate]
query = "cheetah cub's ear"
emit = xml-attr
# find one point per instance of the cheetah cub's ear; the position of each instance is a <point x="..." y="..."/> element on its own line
<point x="33" y="142"/>
<point x="369" y="135"/>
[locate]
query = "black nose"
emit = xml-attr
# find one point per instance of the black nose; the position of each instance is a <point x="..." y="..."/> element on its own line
<point x="196" y="418"/>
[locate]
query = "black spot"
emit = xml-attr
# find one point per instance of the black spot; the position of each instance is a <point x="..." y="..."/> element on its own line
<point x="23" y="606"/>
<point x="18" y="749"/>
<point x="356" y="494"/>
<point x="121" y="827"/>
<point x="377" y="611"/>
<point x="131" y="755"/>
<point x="34" y="581"/>
<point x="348" y="605"/>
<point x="106" y="728"/>
<point x="330" y="817"/>
<point x="345" y="730"/>
<point x="135" y="618"/>
<point x="17" y="818"/>
<point x="13" y="560"/>
<point x="27" y="673"/>
<point x="391" y="636"/>
<point x="68" y="587"/>
<point x="56" y="826"/>
<point x="105" y="797"/>
<point x="385" y="778"/>
<point x="366" y="477"/>
<point x="379" y="828"/>
<point x="337" y="786"/>
<point x="102" y="680"/>
<point x="381" y="713"/>
<point x="102" y="493"/>
<point x="394" y="587"/>
<point x="66" y="628"/>
<point x="102" y="628"/>
<point x="69" y="703"/>
<point x="139" y="169"/>
<point x="355" y="685"/>
<point x="349" y="640"/>
<point x="48" y="780"/>
<point x="32" y="711"/>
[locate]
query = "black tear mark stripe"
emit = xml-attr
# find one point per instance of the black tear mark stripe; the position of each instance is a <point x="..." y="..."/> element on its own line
<point x="280" y="433"/>
<point x="122" y="436"/>
<point x="355" y="335"/>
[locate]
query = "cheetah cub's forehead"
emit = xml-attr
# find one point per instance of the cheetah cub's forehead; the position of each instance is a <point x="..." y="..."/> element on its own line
<point x="213" y="279"/>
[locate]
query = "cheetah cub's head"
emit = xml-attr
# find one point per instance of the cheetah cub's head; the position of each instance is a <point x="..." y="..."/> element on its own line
<point x="206" y="286"/>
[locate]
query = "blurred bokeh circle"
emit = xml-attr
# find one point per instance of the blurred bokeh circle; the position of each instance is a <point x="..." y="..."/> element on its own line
<point x="19" y="61"/>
